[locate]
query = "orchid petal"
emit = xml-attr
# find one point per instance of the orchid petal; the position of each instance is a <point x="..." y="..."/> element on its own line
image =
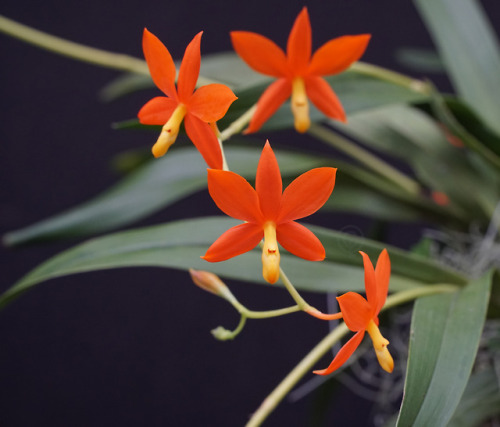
<point x="157" y="111"/>
<point x="160" y="63"/>
<point x="272" y="98"/>
<point x="370" y="282"/>
<point x="235" y="241"/>
<point x="268" y="183"/>
<point x="234" y="195"/>
<point x="324" y="98"/>
<point x="300" y="241"/>
<point x="356" y="311"/>
<point x="300" y="43"/>
<point x="204" y="139"/>
<point x="190" y="68"/>
<point x="382" y="276"/>
<point x="260" y="53"/>
<point x="210" y="103"/>
<point x="345" y="352"/>
<point x="306" y="194"/>
<point x="338" y="54"/>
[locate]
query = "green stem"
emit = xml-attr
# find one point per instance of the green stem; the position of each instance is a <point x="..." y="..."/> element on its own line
<point x="301" y="303"/>
<point x="224" y="334"/>
<point x="236" y="126"/>
<point x="306" y="364"/>
<point x="390" y="76"/>
<point x="103" y="58"/>
<point x="366" y="158"/>
<point x="269" y="313"/>
<point x="72" y="49"/>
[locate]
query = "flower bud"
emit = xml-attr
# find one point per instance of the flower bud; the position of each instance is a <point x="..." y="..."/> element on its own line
<point x="208" y="282"/>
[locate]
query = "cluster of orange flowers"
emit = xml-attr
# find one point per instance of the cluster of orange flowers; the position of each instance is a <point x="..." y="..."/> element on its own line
<point x="268" y="212"/>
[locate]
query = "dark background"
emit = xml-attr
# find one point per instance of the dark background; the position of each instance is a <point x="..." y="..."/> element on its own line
<point x="133" y="347"/>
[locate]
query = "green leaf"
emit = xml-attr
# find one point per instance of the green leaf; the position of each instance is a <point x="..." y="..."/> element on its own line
<point x="480" y="401"/>
<point x="468" y="46"/>
<point x="422" y="60"/>
<point x="182" y="172"/>
<point x="411" y="135"/>
<point x="444" y="338"/>
<point x="154" y="186"/>
<point x="228" y="68"/>
<point x="180" y="244"/>
<point x="441" y="108"/>
<point x="125" y="85"/>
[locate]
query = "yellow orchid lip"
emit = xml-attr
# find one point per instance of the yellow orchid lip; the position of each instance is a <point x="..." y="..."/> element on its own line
<point x="270" y="254"/>
<point x="169" y="131"/>
<point x="300" y="105"/>
<point x="380" y="345"/>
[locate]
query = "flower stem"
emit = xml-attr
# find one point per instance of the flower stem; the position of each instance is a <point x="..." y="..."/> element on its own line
<point x="391" y="76"/>
<point x="78" y="51"/>
<point x="366" y="158"/>
<point x="306" y="364"/>
<point x="269" y="313"/>
<point x="72" y="49"/>
<point x="236" y="126"/>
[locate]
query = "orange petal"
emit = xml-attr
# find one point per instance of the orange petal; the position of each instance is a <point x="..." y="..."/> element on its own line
<point x="160" y="63"/>
<point x="234" y="195"/>
<point x="323" y="97"/>
<point x="338" y="54"/>
<point x="299" y="44"/>
<point x="209" y="103"/>
<point x="157" y="111"/>
<point x="272" y="98"/>
<point x="260" y="53"/>
<point x="382" y="276"/>
<point x="356" y="311"/>
<point x="268" y="183"/>
<point x="235" y="241"/>
<point x="345" y="352"/>
<point x="204" y="139"/>
<point x="370" y="282"/>
<point x="190" y="68"/>
<point x="300" y="241"/>
<point x="306" y="194"/>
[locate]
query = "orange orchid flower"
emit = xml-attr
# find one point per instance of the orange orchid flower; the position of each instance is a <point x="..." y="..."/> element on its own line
<point x="298" y="71"/>
<point x="197" y="108"/>
<point x="361" y="315"/>
<point x="269" y="212"/>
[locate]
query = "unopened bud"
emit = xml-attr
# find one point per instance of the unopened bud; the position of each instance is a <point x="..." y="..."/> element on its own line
<point x="208" y="281"/>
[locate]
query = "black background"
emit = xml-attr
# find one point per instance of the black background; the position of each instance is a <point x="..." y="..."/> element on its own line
<point x="132" y="347"/>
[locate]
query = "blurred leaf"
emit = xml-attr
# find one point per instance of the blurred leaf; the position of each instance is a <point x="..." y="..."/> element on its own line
<point x="480" y="401"/>
<point x="423" y="60"/>
<point x="356" y="91"/>
<point x="182" y="172"/>
<point x="468" y="46"/>
<point x="441" y="108"/>
<point x="411" y="135"/>
<point x="228" y="68"/>
<point x="180" y="244"/>
<point x="125" y="85"/>
<point x="472" y="123"/>
<point x="444" y="338"/>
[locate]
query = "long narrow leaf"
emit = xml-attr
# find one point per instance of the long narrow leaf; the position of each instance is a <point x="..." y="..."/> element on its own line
<point x="182" y="172"/>
<point x="468" y="46"/>
<point x="180" y="244"/>
<point x="444" y="338"/>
